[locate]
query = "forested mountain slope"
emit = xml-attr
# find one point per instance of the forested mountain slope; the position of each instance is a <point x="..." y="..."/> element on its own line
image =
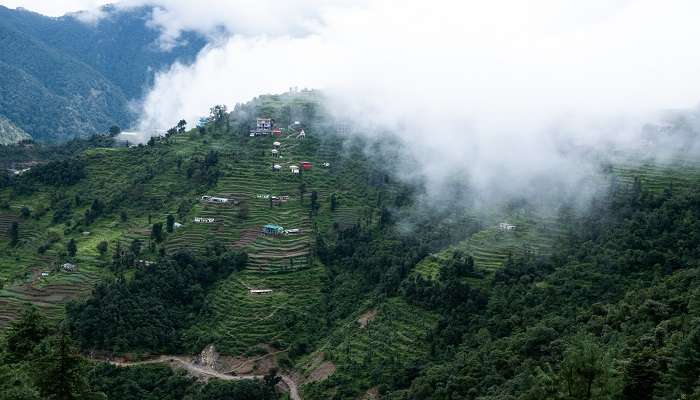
<point x="376" y="296"/>
<point x="61" y="78"/>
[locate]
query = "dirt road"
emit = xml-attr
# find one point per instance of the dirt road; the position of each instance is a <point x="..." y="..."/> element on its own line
<point x="202" y="371"/>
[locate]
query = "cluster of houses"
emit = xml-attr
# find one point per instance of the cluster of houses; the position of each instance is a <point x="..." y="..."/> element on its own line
<point x="264" y="127"/>
<point x="276" y="200"/>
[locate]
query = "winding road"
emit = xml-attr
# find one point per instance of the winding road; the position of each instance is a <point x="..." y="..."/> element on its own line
<point x="203" y="371"/>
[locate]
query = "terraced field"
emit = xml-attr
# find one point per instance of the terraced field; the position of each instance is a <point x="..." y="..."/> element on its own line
<point x="393" y="332"/>
<point x="241" y="320"/>
<point x="490" y="247"/>
<point x="658" y="175"/>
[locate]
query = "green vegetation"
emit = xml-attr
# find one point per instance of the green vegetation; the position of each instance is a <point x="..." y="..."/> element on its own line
<point x="39" y="361"/>
<point x="363" y="293"/>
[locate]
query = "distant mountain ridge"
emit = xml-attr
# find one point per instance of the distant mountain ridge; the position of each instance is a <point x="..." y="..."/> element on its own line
<point x="61" y="78"/>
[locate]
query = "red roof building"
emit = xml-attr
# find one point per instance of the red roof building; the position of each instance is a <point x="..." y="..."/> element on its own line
<point x="305" y="165"/>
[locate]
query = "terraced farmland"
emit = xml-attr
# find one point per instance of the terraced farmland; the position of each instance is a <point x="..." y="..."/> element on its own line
<point x="241" y="320"/>
<point x="490" y="247"/>
<point x="391" y="333"/>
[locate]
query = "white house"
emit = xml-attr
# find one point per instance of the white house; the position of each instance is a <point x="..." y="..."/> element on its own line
<point x="504" y="226"/>
<point x="200" y="220"/>
<point x="276" y="144"/>
<point x="294" y="169"/>
<point x="277" y="167"/>
<point x="260" y="291"/>
<point x="213" y="199"/>
<point x="275" y="153"/>
<point x="301" y="134"/>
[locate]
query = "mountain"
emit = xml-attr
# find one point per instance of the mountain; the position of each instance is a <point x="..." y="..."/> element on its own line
<point x="365" y="292"/>
<point x="62" y="78"/>
<point x="10" y="134"/>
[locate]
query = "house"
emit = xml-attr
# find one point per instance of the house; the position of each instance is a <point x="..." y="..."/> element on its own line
<point x="68" y="267"/>
<point x="264" y="124"/>
<point x="275" y="153"/>
<point x="301" y="134"/>
<point x="263" y="127"/>
<point x="44" y="274"/>
<point x="177" y="225"/>
<point x="305" y="165"/>
<point x="200" y="220"/>
<point x="260" y="291"/>
<point x="215" y="200"/>
<point x="277" y="132"/>
<point x="272" y="229"/>
<point x="504" y="226"/>
<point x="276" y="145"/>
<point x="294" y="231"/>
<point x="294" y="169"/>
<point x="276" y="167"/>
<point x="326" y="164"/>
<point x="18" y="171"/>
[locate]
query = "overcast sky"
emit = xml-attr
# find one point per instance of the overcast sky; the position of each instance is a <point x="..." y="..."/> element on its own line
<point x="54" y="8"/>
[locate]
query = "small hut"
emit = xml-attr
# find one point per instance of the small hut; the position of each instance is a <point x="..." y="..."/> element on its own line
<point x="272" y="229"/>
<point x="260" y="291"/>
<point x="69" y="267"/>
<point x="301" y="134"/>
<point x="275" y="153"/>
<point x="276" y="167"/>
<point x="276" y="145"/>
<point x="277" y="132"/>
<point x="305" y="165"/>
<point x="294" y="169"/>
<point x="505" y="227"/>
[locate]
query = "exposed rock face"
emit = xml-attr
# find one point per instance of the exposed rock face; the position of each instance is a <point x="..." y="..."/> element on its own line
<point x="9" y="133"/>
<point x="208" y="357"/>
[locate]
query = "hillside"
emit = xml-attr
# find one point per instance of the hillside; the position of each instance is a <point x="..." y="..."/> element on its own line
<point x="353" y="305"/>
<point x="81" y="76"/>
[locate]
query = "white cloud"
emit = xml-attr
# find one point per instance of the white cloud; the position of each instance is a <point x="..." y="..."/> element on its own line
<point x="491" y="88"/>
<point x="54" y="8"/>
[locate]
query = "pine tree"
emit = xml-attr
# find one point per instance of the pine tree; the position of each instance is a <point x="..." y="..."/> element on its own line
<point x="683" y="377"/>
<point x="71" y="248"/>
<point x="14" y="234"/>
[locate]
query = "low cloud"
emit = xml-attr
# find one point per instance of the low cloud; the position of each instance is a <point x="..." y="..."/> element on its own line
<point x="506" y="94"/>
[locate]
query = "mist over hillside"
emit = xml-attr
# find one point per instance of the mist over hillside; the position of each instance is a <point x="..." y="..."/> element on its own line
<point x="349" y="200"/>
